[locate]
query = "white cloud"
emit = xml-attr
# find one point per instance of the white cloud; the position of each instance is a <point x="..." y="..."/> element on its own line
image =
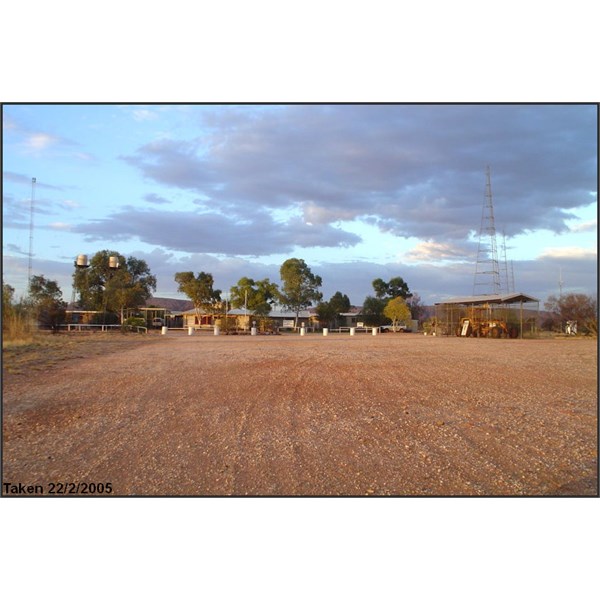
<point x="313" y="213"/>
<point x="70" y="204"/>
<point x="39" y="141"/>
<point x="434" y="252"/>
<point x="60" y="226"/>
<point x="569" y="252"/>
<point x="585" y="226"/>
<point x="84" y="156"/>
<point x="141" y="114"/>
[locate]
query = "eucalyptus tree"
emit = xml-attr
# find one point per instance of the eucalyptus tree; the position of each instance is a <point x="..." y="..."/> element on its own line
<point x="299" y="287"/>
<point x="45" y="297"/>
<point x="372" y="311"/>
<point x="374" y="306"/>
<point x="200" y="290"/>
<point x="330" y="311"/>
<point x="391" y="289"/>
<point x="113" y="283"/>
<point x="258" y="297"/>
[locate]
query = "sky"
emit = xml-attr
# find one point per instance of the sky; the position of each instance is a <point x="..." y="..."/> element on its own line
<point x="358" y="191"/>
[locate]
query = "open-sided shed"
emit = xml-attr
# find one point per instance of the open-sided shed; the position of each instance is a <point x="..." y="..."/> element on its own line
<point x="502" y="315"/>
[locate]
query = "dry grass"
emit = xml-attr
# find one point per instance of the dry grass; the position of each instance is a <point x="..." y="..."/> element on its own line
<point x="42" y="351"/>
<point x="17" y="329"/>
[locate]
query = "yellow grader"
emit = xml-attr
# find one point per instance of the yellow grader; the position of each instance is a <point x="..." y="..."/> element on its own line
<point x="488" y="328"/>
<point x="481" y="323"/>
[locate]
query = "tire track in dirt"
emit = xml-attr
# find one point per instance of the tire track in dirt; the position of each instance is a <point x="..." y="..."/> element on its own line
<point x="266" y="430"/>
<point x="312" y="416"/>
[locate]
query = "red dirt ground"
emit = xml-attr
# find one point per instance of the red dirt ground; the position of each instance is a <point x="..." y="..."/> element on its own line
<point x="395" y="414"/>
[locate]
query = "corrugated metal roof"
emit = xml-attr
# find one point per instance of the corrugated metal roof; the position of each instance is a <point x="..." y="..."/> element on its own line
<point x="491" y="299"/>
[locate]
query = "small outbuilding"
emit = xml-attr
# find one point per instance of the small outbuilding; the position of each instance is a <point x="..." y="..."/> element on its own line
<point x="501" y="315"/>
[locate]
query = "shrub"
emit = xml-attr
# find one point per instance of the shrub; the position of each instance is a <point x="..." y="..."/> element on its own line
<point x="135" y="322"/>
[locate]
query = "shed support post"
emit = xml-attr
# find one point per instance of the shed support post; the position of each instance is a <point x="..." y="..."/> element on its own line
<point x="521" y="319"/>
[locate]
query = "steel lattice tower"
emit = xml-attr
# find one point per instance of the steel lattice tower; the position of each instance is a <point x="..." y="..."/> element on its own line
<point x="487" y="272"/>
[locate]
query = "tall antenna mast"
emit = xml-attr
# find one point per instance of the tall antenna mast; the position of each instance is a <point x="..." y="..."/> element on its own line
<point x="560" y="282"/>
<point x="487" y="272"/>
<point x="31" y="233"/>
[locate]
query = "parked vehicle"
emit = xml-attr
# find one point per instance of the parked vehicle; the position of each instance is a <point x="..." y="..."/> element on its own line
<point x="399" y="328"/>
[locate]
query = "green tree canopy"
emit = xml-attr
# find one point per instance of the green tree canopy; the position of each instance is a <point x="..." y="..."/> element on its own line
<point x="299" y="286"/>
<point x="257" y="296"/>
<point x="199" y="290"/>
<point x="340" y="303"/>
<point x="392" y="289"/>
<point x="101" y="287"/>
<point x="46" y="299"/>
<point x="373" y="311"/>
<point x="373" y="307"/>
<point x="329" y="312"/>
<point x="326" y="312"/>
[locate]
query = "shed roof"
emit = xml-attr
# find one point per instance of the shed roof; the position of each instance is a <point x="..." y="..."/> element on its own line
<point x="491" y="299"/>
<point x="304" y="314"/>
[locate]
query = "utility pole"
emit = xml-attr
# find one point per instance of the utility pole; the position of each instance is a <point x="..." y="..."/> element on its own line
<point x="29" y="269"/>
<point x="487" y="272"/>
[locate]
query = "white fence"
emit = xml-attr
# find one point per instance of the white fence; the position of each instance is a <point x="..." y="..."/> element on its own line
<point x="89" y="327"/>
<point x="356" y="329"/>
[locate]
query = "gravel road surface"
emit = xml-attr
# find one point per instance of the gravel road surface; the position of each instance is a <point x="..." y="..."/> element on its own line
<point x="394" y="414"/>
